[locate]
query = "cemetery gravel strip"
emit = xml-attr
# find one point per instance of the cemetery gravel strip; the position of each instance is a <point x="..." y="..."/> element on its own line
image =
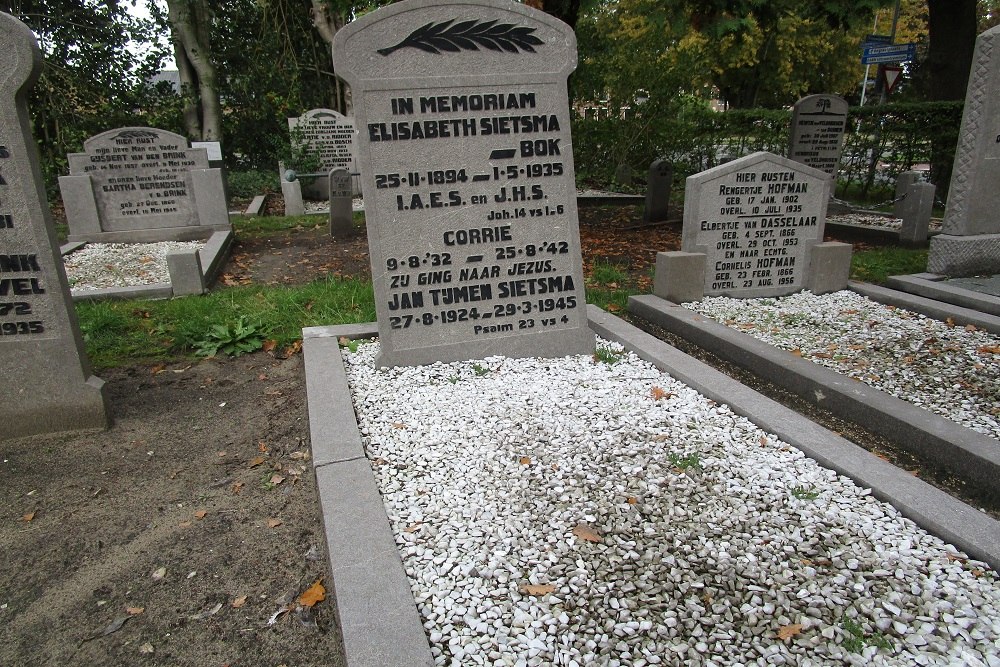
<point x="573" y="511"/>
<point x="950" y="370"/>
<point x="103" y="265"/>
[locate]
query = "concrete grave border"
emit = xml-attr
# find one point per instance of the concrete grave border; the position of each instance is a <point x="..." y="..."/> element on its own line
<point x="191" y="272"/>
<point x="970" y="454"/>
<point x="932" y="286"/>
<point x="379" y="619"/>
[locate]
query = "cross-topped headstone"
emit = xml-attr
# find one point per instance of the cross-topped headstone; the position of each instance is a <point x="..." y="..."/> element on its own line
<point x="467" y="166"/>
<point x="46" y="377"/>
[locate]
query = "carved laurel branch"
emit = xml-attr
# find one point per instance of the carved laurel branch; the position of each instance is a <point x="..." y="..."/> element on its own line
<point x="468" y="36"/>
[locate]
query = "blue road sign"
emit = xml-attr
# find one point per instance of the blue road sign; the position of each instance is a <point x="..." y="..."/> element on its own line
<point x="889" y="53"/>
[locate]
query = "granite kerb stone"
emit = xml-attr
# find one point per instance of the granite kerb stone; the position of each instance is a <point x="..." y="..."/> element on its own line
<point x="969" y="454"/>
<point x="927" y="293"/>
<point x="380" y="623"/>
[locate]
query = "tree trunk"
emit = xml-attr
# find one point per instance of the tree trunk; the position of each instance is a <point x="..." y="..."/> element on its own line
<point x="189" y="26"/>
<point x="327" y="22"/>
<point x="952" y="35"/>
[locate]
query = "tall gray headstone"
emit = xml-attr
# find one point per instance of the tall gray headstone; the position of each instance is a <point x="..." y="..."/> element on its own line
<point x="916" y="214"/>
<point x="142" y="184"/>
<point x="467" y="166"/>
<point x="970" y="240"/>
<point x="45" y="373"/>
<point x="817" y="133"/>
<point x="904" y="182"/>
<point x="658" y="183"/>
<point x="329" y="136"/>
<point x="756" y="219"/>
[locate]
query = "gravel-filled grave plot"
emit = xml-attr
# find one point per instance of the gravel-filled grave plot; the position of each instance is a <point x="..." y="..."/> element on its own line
<point x="877" y="221"/>
<point x="953" y="371"/>
<point x="593" y="510"/>
<point x="103" y="265"/>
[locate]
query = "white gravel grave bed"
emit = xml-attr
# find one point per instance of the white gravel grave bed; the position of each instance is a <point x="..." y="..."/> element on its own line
<point x="952" y="371"/>
<point x="577" y="512"/>
<point x="103" y="265"/>
<point x="878" y="221"/>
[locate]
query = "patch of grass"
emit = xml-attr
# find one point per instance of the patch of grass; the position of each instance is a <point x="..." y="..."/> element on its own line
<point x="607" y="356"/>
<point x="604" y="273"/>
<point x="232" y="338"/>
<point x="684" y="462"/>
<point x="265" y="225"/>
<point x="117" y="333"/>
<point x="857" y="639"/>
<point x="805" y="493"/>
<point x="877" y="264"/>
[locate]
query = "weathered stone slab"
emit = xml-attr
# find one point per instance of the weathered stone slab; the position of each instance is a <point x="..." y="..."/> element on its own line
<point x="140" y="184"/>
<point x="817" y="134"/>
<point x="658" y="183"/>
<point x="44" y="370"/>
<point x="467" y="167"/>
<point x="341" y="204"/>
<point x="756" y="219"/>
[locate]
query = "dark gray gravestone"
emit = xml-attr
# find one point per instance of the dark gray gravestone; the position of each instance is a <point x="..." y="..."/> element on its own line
<point x="817" y="136"/>
<point x="756" y="220"/>
<point x="658" y="183"/>
<point x="970" y="240"/>
<point x="467" y="166"/>
<point x="341" y="203"/>
<point x="46" y="377"/>
<point x="904" y="182"/>
<point x="916" y="214"/>
<point x="142" y="184"/>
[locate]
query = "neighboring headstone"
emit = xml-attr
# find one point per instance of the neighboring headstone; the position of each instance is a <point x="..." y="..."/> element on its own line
<point x="970" y="240"/>
<point x="341" y="204"/>
<point x="658" y="184"/>
<point x="291" y="191"/>
<point x="624" y="174"/>
<point x="916" y="214"/>
<point x="142" y="184"/>
<point x="329" y="136"/>
<point x="467" y="167"/>
<point x="758" y="224"/>
<point x="44" y="370"/>
<point x="214" y="151"/>
<point x="903" y="183"/>
<point x="817" y="135"/>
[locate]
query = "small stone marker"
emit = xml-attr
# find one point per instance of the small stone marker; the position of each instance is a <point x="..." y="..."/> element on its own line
<point x="903" y="183"/>
<point x="658" y="184"/>
<point x="755" y="227"/>
<point x="328" y="135"/>
<point x="817" y="136"/>
<point x="970" y="240"/>
<point x="142" y="184"/>
<point x="467" y="168"/>
<point x="916" y="214"/>
<point x="44" y="370"/>
<point x="341" y="203"/>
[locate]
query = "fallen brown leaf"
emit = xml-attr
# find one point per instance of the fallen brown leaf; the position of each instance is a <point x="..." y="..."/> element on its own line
<point x="586" y="533"/>
<point x="236" y="488"/>
<point x="273" y="523"/>
<point x="28" y="517"/>
<point x="313" y="594"/>
<point x="525" y="460"/>
<point x="256" y="461"/>
<point x="277" y="479"/>
<point x="239" y="602"/>
<point x="536" y="589"/>
<point x="200" y="514"/>
<point x="786" y="632"/>
<point x="134" y="611"/>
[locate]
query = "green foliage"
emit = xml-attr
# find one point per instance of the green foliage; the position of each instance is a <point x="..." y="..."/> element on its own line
<point x="857" y="639"/>
<point x="607" y="356"/>
<point x="232" y="338"/>
<point x="805" y="493"/>
<point x="877" y="264"/>
<point x="689" y="461"/>
<point x="603" y="273"/>
<point x="249" y="184"/>
<point x="480" y="371"/>
<point x="122" y="332"/>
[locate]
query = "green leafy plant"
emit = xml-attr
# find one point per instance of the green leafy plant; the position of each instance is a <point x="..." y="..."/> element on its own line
<point x="805" y="493"/>
<point x="234" y="338"/>
<point x="857" y="639"/>
<point x="607" y="356"/>
<point x="692" y="461"/>
<point x="480" y="370"/>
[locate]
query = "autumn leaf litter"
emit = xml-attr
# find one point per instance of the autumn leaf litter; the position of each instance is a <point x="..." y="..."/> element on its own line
<point x="543" y="516"/>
